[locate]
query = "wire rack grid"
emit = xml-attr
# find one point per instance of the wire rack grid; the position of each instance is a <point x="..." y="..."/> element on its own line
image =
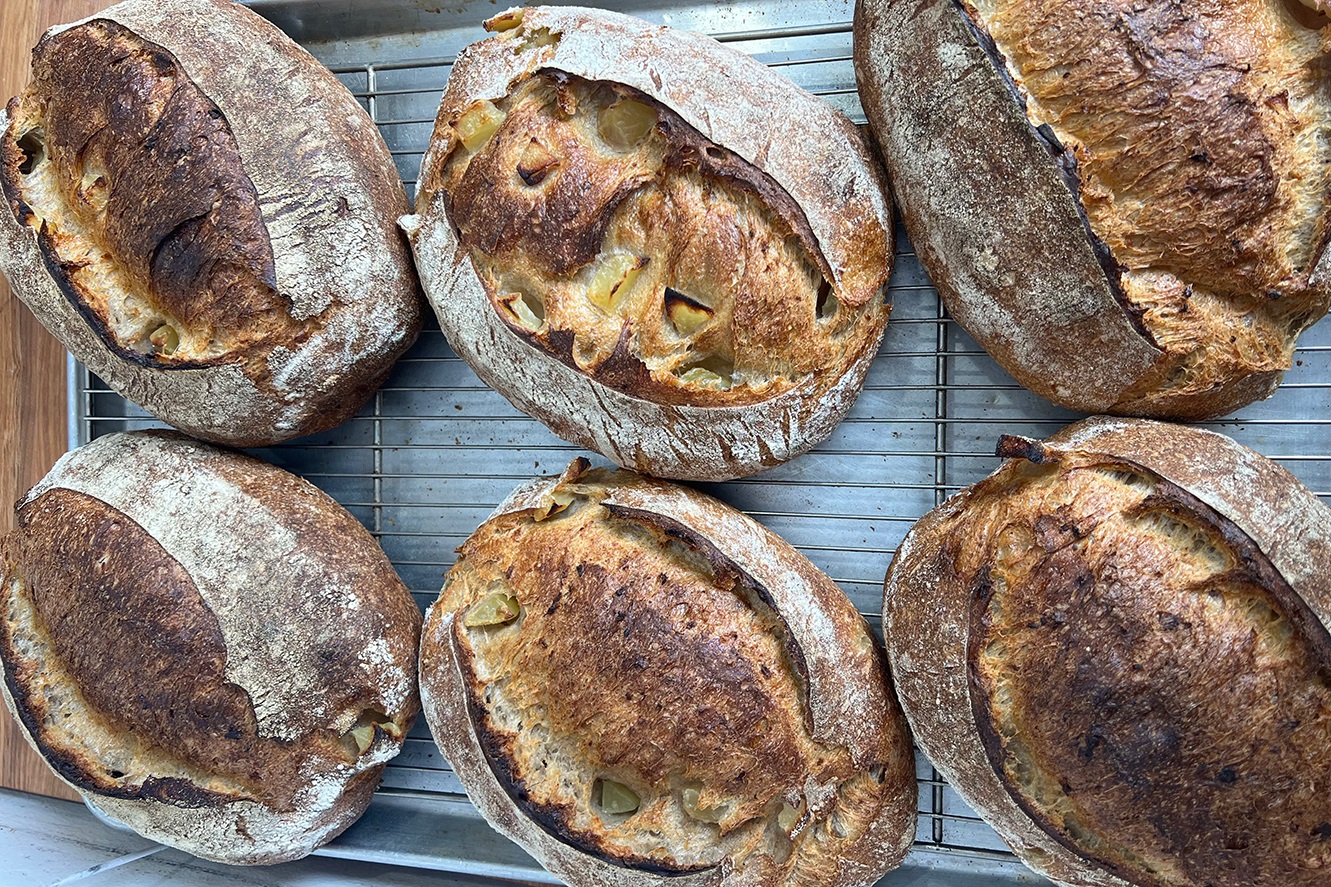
<point x="435" y="450"/>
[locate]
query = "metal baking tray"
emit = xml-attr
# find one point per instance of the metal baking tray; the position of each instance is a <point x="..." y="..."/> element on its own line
<point x="436" y="450"/>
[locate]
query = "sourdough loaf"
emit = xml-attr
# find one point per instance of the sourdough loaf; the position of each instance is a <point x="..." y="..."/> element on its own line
<point x="206" y="647"/>
<point x="621" y="236"/>
<point x="1125" y="203"/>
<point x="205" y="216"/>
<point x="1115" y="648"/>
<point x="642" y="686"/>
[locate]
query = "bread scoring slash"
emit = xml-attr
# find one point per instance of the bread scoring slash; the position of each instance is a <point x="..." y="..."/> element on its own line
<point x="1127" y="204"/>
<point x="642" y="686"/>
<point x="205" y="216"/>
<point x="622" y="238"/>
<point x="209" y="649"/>
<point x="1116" y="649"/>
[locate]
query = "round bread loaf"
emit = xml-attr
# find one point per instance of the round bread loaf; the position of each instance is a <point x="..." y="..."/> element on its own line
<point x="205" y="217"/>
<point x="642" y="686"/>
<point x="1125" y="203"/>
<point x="624" y="236"/>
<point x="1115" y="648"/>
<point x="209" y="649"/>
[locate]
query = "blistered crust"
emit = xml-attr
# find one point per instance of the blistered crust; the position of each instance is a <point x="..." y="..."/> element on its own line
<point x="641" y="410"/>
<point x="342" y="299"/>
<point x="1185" y="152"/>
<point x="148" y="673"/>
<point x="827" y="652"/>
<point x="1158" y="542"/>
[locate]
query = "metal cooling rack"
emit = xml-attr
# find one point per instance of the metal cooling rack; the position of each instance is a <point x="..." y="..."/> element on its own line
<point x="431" y="455"/>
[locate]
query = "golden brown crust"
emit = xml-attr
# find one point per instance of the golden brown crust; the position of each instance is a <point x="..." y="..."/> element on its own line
<point x="728" y="276"/>
<point x="631" y="701"/>
<point x="586" y="212"/>
<point x="1206" y="178"/>
<point x="232" y="697"/>
<point x="1142" y="683"/>
<point x="100" y="585"/>
<point x="1188" y="142"/>
<point x="647" y="655"/>
<point x="229" y="265"/>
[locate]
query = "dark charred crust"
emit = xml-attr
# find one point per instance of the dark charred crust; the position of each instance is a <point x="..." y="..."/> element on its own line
<point x="1011" y="446"/>
<point x="9" y="167"/>
<point x="17" y="682"/>
<point x="1155" y="742"/>
<point x="172" y="790"/>
<point x="1068" y="172"/>
<point x="982" y="588"/>
<point x="558" y="343"/>
<point x="180" y="216"/>
<point x="624" y="371"/>
<point x="66" y="764"/>
<point x="977" y="628"/>
<point x="554" y="819"/>
<point x="577" y="468"/>
<point x="60" y="275"/>
<point x="1052" y="142"/>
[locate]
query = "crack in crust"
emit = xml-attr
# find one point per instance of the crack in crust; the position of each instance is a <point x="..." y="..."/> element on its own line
<point x="644" y="255"/>
<point x="641" y="654"/>
<point x="1148" y="688"/>
<point x="145" y="216"/>
<point x="1195" y="144"/>
<point x="132" y="655"/>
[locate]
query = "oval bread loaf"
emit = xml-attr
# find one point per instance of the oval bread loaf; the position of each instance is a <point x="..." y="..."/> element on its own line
<point x="642" y="686"/>
<point x="209" y="649"/>
<point x="215" y="239"/>
<point x="621" y="236"/>
<point x="1125" y="203"/>
<point x="1116" y="649"/>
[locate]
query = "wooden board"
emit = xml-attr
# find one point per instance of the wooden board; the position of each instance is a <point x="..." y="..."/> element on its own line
<point x="32" y="372"/>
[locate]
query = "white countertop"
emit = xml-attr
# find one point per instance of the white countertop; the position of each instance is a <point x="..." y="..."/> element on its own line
<point x="46" y="842"/>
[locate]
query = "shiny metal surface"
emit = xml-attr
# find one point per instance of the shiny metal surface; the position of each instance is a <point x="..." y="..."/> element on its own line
<point x="436" y="450"/>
